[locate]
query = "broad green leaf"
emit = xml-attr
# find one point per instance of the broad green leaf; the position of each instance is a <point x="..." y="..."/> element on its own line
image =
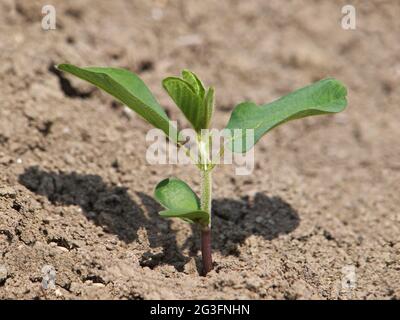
<point x="322" y="97"/>
<point x="180" y="201"/>
<point x="128" y="88"/>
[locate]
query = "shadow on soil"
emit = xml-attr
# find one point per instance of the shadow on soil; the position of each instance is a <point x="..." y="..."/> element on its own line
<point x="116" y="212"/>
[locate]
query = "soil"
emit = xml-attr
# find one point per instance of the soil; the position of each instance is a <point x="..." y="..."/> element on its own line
<point x="319" y="217"/>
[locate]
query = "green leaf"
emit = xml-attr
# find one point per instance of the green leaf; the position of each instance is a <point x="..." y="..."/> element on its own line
<point x="128" y="88"/>
<point x="180" y="201"/>
<point x="209" y="106"/>
<point x="190" y="96"/>
<point x="194" y="81"/>
<point x="322" y="97"/>
<point x="198" y="216"/>
<point x="186" y="99"/>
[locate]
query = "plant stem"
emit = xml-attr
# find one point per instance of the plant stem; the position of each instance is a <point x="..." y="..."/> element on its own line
<point x="206" y="195"/>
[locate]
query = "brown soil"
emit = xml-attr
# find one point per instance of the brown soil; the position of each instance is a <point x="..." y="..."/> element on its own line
<point x="76" y="190"/>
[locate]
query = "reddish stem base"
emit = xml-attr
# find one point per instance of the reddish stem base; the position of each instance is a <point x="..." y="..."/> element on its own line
<point x="206" y="250"/>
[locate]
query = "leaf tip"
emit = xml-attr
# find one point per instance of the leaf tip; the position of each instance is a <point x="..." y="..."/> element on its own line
<point x="63" y="66"/>
<point x="185" y="72"/>
<point x="59" y="66"/>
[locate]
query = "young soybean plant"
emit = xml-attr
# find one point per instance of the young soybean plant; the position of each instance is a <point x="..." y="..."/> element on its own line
<point x="197" y="103"/>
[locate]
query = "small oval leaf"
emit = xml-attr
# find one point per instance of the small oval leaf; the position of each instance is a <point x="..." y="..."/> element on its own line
<point x="173" y="193"/>
<point x="180" y="201"/>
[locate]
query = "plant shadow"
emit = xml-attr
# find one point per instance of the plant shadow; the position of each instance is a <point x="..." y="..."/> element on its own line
<point x="112" y="208"/>
<point x="235" y="220"/>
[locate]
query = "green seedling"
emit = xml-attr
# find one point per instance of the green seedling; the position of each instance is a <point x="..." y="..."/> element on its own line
<point x="197" y="104"/>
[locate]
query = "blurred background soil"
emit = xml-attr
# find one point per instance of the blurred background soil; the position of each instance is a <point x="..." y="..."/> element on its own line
<point x="319" y="217"/>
